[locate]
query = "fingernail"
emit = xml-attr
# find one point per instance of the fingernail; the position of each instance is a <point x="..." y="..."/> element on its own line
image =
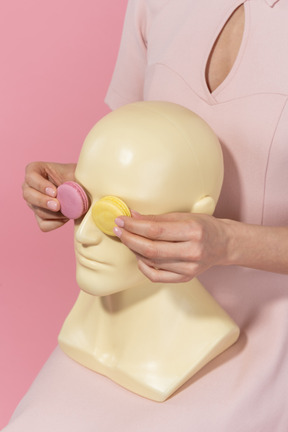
<point x="52" y="205"/>
<point x="117" y="231"/>
<point x="51" y="192"/>
<point x="135" y="213"/>
<point x="119" y="222"/>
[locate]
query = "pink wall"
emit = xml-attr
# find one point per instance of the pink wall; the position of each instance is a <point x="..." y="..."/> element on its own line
<point x="56" y="60"/>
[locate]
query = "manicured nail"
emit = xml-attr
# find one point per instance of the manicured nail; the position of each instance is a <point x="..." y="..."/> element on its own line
<point x="119" y="222"/>
<point x="135" y="213"/>
<point x="117" y="231"/>
<point x="51" y="192"/>
<point x="52" y="205"/>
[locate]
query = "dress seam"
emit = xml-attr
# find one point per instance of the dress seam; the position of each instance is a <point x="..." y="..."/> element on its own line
<point x="214" y="103"/>
<point x="268" y="158"/>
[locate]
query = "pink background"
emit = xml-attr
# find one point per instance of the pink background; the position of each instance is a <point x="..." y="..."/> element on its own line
<point x="56" y="60"/>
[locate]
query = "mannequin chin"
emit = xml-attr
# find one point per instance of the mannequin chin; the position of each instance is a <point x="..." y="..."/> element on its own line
<point x="158" y="158"/>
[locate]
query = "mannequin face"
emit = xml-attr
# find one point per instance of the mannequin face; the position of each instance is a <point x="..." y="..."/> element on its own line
<point x="147" y="171"/>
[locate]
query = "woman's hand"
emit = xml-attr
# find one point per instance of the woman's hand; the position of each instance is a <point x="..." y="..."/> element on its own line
<point x="40" y="191"/>
<point x="175" y="247"/>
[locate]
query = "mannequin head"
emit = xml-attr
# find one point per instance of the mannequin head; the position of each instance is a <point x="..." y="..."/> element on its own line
<point x="157" y="157"/>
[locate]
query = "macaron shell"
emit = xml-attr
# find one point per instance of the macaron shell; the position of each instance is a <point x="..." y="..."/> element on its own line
<point x="119" y="203"/>
<point x="106" y="210"/>
<point x="73" y="200"/>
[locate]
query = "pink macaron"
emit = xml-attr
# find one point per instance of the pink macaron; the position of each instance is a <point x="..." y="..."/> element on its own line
<point x="73" y="200"/>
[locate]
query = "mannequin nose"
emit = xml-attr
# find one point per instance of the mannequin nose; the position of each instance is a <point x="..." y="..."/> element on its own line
<point x="87" y="232"/>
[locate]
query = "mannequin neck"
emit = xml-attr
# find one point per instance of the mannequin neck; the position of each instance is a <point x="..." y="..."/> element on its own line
<point x="132" y="336"/>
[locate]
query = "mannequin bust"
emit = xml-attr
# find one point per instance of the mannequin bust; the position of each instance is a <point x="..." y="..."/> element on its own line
<point x="150" y="338"/>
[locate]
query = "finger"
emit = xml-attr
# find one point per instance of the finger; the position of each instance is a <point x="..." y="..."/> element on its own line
<point x="160" y="250"/>
<point x="174" y="216"/>
<point x="40" y="200"/>
<point x="46" y="214"/>
<point x="174" y="230"/>
<point x="39" y="181"/>
<point x="160" y="276"/>
<point x="190" y="269"/>
<point x="49" y="215"/>
<point x="49" y="225"/>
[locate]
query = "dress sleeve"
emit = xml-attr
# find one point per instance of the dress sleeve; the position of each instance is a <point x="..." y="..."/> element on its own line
<point x="128" y="78"/>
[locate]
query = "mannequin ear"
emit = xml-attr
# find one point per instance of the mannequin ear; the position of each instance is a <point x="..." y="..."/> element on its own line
<point x="204" y="205"/>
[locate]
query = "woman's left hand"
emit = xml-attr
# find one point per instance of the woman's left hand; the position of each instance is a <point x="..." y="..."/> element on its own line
<point x="174" y="247"/>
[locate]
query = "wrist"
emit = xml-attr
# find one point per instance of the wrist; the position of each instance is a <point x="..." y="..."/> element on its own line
<point x="232" y="230"/>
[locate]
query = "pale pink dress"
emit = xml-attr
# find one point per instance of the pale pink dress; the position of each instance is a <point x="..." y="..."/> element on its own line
<point x="163" y="56"/>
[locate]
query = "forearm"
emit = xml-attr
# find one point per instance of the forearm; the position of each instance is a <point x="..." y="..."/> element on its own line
<point x="259" y="247"/>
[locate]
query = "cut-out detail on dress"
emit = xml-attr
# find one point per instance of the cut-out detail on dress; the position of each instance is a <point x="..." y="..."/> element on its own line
<point x="271" y="2"/>
<point x="225" y="49"/>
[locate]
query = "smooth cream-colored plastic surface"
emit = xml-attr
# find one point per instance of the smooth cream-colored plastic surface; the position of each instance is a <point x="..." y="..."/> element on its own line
<point x="149" y="338"/>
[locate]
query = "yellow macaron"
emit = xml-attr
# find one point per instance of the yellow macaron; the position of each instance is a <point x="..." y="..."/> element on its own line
<point x="106" y="210"/>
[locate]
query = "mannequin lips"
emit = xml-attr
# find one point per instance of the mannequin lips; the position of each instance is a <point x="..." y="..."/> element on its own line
<point x="87" y="261"/>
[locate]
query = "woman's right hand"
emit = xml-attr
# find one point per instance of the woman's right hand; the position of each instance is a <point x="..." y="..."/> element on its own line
<point x="40" y="191"/>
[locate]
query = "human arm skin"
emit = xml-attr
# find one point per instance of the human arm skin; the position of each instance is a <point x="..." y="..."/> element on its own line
<point x="40" y="191"/>
<point x="179" y="246"/>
